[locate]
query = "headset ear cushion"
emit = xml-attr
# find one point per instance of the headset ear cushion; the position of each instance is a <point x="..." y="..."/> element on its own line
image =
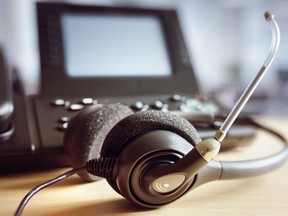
<point x="142" y="122"/>
<point x="87" y="130"/>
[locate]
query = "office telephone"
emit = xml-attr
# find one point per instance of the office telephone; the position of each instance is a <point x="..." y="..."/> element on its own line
<point x="101" y="55"/>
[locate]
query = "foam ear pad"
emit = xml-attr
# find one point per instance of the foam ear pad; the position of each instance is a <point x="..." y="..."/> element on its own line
<point x="87" y="130"/>
<point x="141" y="122"/>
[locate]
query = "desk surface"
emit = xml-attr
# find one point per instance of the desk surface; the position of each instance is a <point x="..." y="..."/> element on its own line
<point x="263" y="195"/>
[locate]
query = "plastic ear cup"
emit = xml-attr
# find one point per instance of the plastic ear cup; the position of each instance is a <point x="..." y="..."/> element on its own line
<point x="140" y="123"/>
<point x="87" y="130"/>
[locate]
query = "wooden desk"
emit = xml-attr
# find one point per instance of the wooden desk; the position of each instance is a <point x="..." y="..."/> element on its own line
<point x="264" y="195"/>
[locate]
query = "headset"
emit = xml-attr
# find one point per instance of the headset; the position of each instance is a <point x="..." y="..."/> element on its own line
<point x="152" y="157"/>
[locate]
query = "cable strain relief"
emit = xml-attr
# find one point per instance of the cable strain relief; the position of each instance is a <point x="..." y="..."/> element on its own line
<point x="102" y="167"/>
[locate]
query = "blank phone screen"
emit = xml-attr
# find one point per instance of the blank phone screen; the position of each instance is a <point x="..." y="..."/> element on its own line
<point x="114" y="46"/>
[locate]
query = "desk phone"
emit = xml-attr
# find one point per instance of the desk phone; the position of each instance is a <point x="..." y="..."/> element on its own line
<point x="99" y="55"/>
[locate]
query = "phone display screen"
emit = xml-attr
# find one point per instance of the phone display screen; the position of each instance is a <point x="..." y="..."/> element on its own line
<point x="112" y="51"/>
<point x="114" y="46"/>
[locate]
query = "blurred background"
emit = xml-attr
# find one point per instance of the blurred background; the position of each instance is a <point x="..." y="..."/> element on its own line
<point x="228" y="41"/>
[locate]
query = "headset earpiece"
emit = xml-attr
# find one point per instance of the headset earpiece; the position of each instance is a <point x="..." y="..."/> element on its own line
<point x="87" y="130"/>
<point x="142" y="140"/>
<point x="160" y="138"/>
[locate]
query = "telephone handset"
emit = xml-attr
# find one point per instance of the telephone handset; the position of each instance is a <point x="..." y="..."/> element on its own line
<point x="6" y="103"/>
<point x="16" y="143"/>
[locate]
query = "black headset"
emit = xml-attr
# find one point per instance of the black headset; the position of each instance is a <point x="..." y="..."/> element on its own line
<point x="152" y="157"/>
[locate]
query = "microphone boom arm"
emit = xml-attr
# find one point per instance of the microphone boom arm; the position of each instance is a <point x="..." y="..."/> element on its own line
<point x="221" y="133"/>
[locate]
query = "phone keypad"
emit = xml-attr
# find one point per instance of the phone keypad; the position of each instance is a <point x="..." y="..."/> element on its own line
<point x="54" y="119"/>
<point x="175" y="102"/>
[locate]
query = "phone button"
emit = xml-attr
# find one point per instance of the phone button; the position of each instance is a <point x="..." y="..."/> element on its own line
<point x="159" y="105"/>
<point x="139" y="106"/>
<point x="63" y="126"/>
<point x="64" y="119"/>
<point x="75" y="107"/>
<point x="177" y="98"/>
<point x="58" y="102"/>
<point x="88" y="101"/>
